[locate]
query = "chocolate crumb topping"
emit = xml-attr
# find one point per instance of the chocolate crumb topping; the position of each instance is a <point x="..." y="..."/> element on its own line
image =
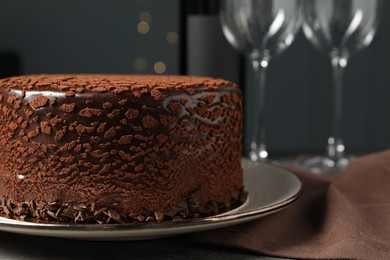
<point x="126" y="139"/>
<point x="149" y="122"/>
<point x="89" y="112"/>
<point x="107" y="105"/>
<point x="68" y="108"/>
<point x="131" y="113"/>
<point x="39" y="102"/>
<point x="110" y="133"/>
<point x="45" y="128"/>
<point x="13" y="126"/>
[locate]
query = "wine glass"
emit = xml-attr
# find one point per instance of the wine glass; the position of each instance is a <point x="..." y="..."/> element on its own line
<point x="260" y="29"/>
<point x="339" y="28"/>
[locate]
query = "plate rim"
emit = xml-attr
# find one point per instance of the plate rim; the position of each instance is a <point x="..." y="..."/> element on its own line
<point x="235" y="216"/>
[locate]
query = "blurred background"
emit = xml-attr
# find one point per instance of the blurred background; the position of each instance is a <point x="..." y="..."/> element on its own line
<point x="184" y="37"/>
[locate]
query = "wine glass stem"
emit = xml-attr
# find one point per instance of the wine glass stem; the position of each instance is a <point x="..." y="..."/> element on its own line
<point x="258" y="149"/>
<point x="335" y="148"/>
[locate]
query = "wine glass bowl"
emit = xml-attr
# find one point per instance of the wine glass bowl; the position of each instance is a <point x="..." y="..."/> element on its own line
<point x="338" y="28"/>
<point x="259" y="29"/>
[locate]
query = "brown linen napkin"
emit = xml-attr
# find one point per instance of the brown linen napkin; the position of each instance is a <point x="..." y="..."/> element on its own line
<point x="345" y="217"/>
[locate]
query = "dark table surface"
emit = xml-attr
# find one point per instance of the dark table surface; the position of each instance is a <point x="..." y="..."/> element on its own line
<point x="15" y="246"/>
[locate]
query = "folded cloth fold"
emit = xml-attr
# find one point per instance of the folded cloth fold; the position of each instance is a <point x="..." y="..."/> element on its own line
<point x="338" y="217"/>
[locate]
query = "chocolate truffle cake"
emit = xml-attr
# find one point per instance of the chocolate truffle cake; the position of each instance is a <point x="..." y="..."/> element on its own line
<point x="119" y="149"/>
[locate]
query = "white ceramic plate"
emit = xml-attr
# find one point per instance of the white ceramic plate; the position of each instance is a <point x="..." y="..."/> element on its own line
<point x="269" y="188"/>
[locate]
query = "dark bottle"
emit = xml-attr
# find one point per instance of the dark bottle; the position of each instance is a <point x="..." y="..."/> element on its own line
<point x="204" y="49"/>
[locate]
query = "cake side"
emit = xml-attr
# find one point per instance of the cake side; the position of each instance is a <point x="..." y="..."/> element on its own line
<point x="117" y="148"/>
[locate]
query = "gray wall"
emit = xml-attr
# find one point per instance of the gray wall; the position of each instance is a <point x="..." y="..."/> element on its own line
<point x="88" y="36"/>
<point x="98" y="36"/>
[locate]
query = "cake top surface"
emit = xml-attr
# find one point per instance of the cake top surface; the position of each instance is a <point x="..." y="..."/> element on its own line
<point x="100" y="83"/>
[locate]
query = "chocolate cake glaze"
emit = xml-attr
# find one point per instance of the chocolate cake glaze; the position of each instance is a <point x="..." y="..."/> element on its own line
<point x="119" y="148"/>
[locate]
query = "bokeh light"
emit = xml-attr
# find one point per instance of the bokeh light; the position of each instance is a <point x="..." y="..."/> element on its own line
<point x="143" y="27"/>
<point x="172" y="37"/>
<point x="160" y="67"/>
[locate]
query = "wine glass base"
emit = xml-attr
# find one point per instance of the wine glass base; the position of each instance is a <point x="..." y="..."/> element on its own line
<point x="261" y="156"/>
<point x="323" y="164"/>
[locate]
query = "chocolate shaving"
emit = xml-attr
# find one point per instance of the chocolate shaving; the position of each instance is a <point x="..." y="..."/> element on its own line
<point x="159" y="216"/>
<point x="91" y="213"/>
